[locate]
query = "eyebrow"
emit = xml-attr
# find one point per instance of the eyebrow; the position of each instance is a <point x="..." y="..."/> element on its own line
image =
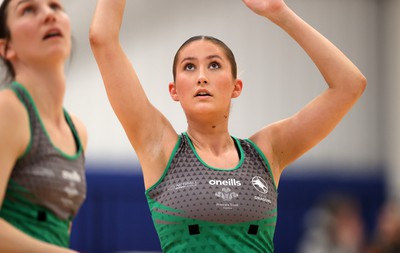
<point x="21" y="2"/>
<point x="190" y="58"/>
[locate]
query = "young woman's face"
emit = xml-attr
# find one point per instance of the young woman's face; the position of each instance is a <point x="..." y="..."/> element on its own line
<point x="204" y="82"/>
<point x="39" y="29"/>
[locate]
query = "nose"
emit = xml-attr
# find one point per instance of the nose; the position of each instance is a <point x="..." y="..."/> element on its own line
<point x="202" y="78"/>
<point x="49" y="15"/>
<point x="201" y="81"/>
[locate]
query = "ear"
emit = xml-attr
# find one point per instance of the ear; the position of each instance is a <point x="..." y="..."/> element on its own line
<point x="172" y="91"/>
<point x="3" y="45"/>
<point x="237" y="88"/>
<point x="6" y="51"/>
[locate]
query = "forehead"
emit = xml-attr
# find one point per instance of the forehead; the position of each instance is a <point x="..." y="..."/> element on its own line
<point x="201" y="48"/>
<point x="18" y="2"/>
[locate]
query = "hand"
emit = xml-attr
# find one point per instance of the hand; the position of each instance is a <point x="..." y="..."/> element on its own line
<point x="266" y="8"/>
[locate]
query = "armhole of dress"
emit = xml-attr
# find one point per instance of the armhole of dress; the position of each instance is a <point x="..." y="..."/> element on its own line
<point x="172" y="156"/>
<point x="75" y="133"/>
<point x="265" y="160"/>
<point x="15" y="88"/>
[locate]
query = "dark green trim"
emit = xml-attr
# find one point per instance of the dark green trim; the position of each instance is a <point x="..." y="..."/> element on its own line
<point x="28" y="148"/>
<point x="75" y="133"/>
<point x="237" y="144"/>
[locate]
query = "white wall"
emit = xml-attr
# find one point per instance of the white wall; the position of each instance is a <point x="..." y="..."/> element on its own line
<point x="278" y="77"/>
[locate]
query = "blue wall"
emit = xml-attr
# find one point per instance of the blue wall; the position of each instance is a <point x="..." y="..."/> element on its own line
<point x="115" y="216"/>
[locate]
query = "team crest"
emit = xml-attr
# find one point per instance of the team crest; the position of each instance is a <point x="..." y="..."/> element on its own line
<point x="260" y="184"/>
<point x="226" y="194"/>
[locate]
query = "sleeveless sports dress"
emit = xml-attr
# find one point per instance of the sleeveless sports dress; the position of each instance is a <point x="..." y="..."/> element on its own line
<point x="46" y="186"/>
<point x="198" y="208"/>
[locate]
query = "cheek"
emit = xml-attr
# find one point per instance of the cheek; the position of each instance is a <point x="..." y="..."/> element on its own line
<point x="226" y="81"/>
<point x="181" y="90"/>
<point x="183" y="83"/>
<point x="23" y="31"/>
<point x="67" y="25"/>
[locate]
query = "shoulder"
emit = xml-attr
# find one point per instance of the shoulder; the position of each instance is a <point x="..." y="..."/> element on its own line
<point x="11" y="109"/>
<point x="263" y="139"/>
<point x="81" y="128"/>
<point x="14" y="123"/>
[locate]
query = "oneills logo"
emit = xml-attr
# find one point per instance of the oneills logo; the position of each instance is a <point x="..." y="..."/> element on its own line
<point x="229" y="182"/>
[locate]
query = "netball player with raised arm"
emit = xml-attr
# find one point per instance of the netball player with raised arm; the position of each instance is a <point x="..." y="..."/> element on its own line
<point x="207" y="190"/>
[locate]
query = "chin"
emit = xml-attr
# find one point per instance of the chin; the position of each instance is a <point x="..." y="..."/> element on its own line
<point x="58" y="53"/>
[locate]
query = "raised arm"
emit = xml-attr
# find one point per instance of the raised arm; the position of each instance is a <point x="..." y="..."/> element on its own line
<point x="151" y="135"/>
<point x="286" y="140"/>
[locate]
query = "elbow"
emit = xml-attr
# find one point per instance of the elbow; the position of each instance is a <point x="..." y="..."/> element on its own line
<point x="352" y="87"/>
<point x="99" y="38"/>
<point x="360" y="85"/>
<point x="356" y="86"/>
<point x="95" y="37"/>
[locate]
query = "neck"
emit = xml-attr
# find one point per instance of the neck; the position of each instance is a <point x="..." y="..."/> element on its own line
<point x="211" y="140"/>
<point x="47" y="88"/>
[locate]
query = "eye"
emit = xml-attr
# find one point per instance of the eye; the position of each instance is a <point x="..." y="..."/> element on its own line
<point x="28" y="9"/>
<point x="56" y="6"/>
<point x="189" y="67"/>
<point x="215" y="65"/>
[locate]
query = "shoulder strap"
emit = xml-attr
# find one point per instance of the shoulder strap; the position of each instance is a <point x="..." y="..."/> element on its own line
<point x="71" y="124"/>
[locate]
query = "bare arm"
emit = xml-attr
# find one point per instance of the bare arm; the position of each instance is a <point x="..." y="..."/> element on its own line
<point x="151" y="135"/>
<point x="14" y="136"/>
<point x="286" y="140"/>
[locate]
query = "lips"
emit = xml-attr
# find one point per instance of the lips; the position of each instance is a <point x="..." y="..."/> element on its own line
<point x="52" y="33"/>
<point x="203" y="93"/>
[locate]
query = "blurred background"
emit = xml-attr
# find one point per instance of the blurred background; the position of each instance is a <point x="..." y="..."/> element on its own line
<point x="356" y="166"/>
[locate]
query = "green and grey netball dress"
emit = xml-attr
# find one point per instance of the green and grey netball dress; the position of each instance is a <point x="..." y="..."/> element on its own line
<point x="46" y="186"/>
<point x="197" y="208"/>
